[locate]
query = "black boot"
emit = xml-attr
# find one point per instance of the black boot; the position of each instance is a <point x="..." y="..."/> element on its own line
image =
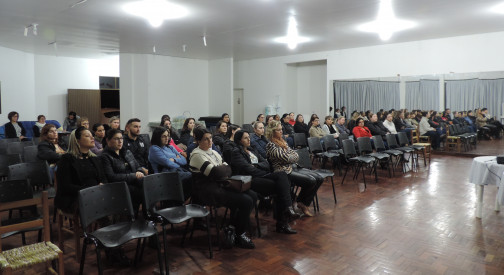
<point x="291" y="214"/>
<point x="284" y="227"/>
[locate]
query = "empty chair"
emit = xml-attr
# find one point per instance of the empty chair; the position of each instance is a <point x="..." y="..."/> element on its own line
<point x="30" y="153"/>
<point x="318" y="152"/>
<point x="380" y="147"/>
<point x="353" y="159"/>
<point x="343" y="136"/>
<point x="300" y="140"/>
<point x="6" y="161"/>
<point x="366" y="149"/>
<point x="37" y="172"/>
<point x="403" y="142"/>
<point x="112" y="199"/>
<point x="330" y="144"/>
<point x="17" y="147"/>
<point x="248" y="127"/>
<point x="42" y="252"/>
<point x="168" y="187"/>
<point x="392" y="144"/>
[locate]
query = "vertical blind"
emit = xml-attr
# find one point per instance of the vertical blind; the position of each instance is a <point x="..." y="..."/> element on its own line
<point x="366" y="95"/>
<point x="469" y="94"/>
<point x="423" y="95"/>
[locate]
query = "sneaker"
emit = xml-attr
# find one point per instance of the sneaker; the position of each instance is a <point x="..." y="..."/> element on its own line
<point x="243" y="241"/>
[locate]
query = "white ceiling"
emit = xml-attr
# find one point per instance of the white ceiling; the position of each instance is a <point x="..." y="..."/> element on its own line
<point x="242" y="29"/>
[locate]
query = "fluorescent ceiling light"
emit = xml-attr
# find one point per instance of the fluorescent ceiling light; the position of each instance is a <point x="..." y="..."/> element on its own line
<point x="292" y="39"/>
<point x="386" y="24"/>
<point x="155" y="11"/>
<point x="498" y="9"/>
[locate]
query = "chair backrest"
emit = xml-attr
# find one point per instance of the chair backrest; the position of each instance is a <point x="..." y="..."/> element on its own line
<point x="392" y="141"/>
<point x="378" y="143"/>
<point x="36" y="141"/>
<point x="304" y="158"/>
<point x="403" y="139"/>
<point x="161" y="187"/>
<point x="414" y="136"/>
<point x="146" y="140"/>
<point x="300" y="140"/>
<point x="65" y="138"/>
<point x="349" y="148"/>
<point x="37" y="172"/>
<point x="104" y="200"/>
<point x="9" y="140"/>
<point x="364" y="145"/>
<point x="15" y="190"/>
<point x="314" y="145"/>
<point x="342" y="136"/>
<point x="17" y="147"/>
<point x="42" y="221"/>
<point x="457" y="129"/>
<point x="30" y="153"/>
<point x="329" y="142"/>
<point x="6" y="161"/>
<point x="248" y="127"/>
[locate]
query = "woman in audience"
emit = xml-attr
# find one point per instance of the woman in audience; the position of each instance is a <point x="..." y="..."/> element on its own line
<point x="220" y="134"/>
<point x="276" y="117"/>
<point x="114" y="122"/>
<point x="99" y="134"/>
<point x="120" y="165"/>
<point x="292" y="121"/>
<point x="315" y="129"/>
<point x="353" y="120"/>
<point x="260" y="118"/>
<point x="229" y="144"/>
<point x="312" y="118"/>
<point x="70" y="122"/>
<point x="77" y="169"/>
<point x="175" y="139"/>
<point x="257" y="140"/>
<point x="48" y="148"/>
<point x="427" y="130"/>
<point x="410" y="120"/>
<point x="329" y="127"/>
<point x="83" y="121"/>
<point x="340" y="124"/>
<point x="164" y="158"/>
<point x="360" y="130"/>
<point x="389" y="124"/>
<point x="208" y="169"/>
<point x="194" y="145"/>
<point x="300" y="126"/>
<point x="225" y="118"/>
<point x="282" y="158"/>
<point x="288" y="130"/>
<point x="246" y="161"/>
<point x="186" y="135"/>
<point x="41" y="122"/>
<point x="269" y="118"/>
<point x="13" y="129"/>
<point x="376" y="127"/>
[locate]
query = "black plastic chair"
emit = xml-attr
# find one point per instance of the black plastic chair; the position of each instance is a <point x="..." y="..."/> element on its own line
<point x="112" y="199"/>
<point x="319" y="153"/>
<point x="304" y="162"/>
<point x="417" y="149"/>
<point x="6" y="161"/>
<point x="146" y="140"/>
<point x="380" y="147"/>
<point x="18" y="190"/>
<point x="353" y="159"/>
<point x="38" y="174"/>
<point x="366" y="149"/>
<point x="30" y="154"/>
<point x="17" y="147"/>
<point x="330" y="144"/>
<point x="168" y="187"/>
<point x="300" y="140"/>
<point x="65" y="138"/>
<point x="392" y="144"/>
<point x="343" y="136"/>
<point x="248" y="127"/>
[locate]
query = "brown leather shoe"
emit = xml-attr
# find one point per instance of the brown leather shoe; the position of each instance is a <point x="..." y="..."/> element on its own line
<point x="305" y="209"/>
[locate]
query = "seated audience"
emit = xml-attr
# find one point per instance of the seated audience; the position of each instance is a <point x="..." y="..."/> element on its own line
<point x="315" y="129"/>
<point x="360" y="130"/>
<point x="300" y="126"/>
<point x="229" y="144"/>
<point x="48" y="148"/>
<point x="376" y="127"/>
<point x="175" y="139"/>
<point x="135" y="143"/>
<point x="164" y="158"/>
<point x="70" y="122"/>
<point x="282" y="157"/>
<point x="329" y="127"/>
<point x="340" y="124"/>
<point x="470" y="120"/>
<point x="13" y="129"/>
<point x="77" y="170"/>
<point x="194" y="145"/>
<point x="83" y="121"/>
<point x="353" y="120"/>
<point x="260" y="118"/>
<point x="389" y="124"/>
<point x="208" y="169"/>
<point x="426" y="130"/>
<point x="225" y="118"/>
<point x="288" y="130"/>
<point x="186" y="135"/>
<point x="292" y="121"/>
<point x="276" y="117"/>
<point x="99" y="134"/>
<point x="220" y="134"/>
<point x="257" y="139"/>
<point x="41" y="122"/>
<point x="120" y="165"/>
<point x="246" y="161"/>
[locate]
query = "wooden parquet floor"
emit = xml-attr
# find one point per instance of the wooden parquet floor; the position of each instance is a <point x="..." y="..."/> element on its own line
<point x="418" y="223"/>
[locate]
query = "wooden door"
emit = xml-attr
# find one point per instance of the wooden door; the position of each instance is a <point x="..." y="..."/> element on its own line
<point x="85" y="103"/>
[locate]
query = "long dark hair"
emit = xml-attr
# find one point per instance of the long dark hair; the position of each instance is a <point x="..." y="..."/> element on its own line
<point x="186" y="122"/>
<point x="156" y="136"/>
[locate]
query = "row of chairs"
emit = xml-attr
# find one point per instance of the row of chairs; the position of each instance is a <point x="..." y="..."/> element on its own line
<point x="458" y="136"/>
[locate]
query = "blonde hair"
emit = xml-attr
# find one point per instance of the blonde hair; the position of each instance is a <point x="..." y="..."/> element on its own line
<point x="271" y="128"/>
<point x="73" y="144"/>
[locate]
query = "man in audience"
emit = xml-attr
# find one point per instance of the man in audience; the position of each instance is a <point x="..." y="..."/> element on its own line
<point x="340" y="124"/>
<point x="376" y="127"/>
<point x="448" y="114"/>
<point x="135" y="143"/>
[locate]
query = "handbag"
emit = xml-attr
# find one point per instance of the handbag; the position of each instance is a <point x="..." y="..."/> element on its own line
<point x="238" y="183"/>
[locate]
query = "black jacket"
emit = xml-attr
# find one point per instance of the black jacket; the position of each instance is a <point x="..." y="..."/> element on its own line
<point x="72" y="178"/>
<point x="139" y="148"/>
<point x="10" y="131"/>
<point x="399" y="124"/>
<point x="47" y="151"/>
<point x="287" y="129"/>
<point x="376" y="128"/>
<point x="122" y="167"/>
<point x="242" y="165"/>
<point x="302" y="128"/>
<point x="186" y="138"/>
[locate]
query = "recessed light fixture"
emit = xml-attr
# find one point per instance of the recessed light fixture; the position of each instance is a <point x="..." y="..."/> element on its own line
<point x="386" y="24"/>
<point x="292" y="39"/>
<point x="155" y="11"/>
<point x="498" y="9"/>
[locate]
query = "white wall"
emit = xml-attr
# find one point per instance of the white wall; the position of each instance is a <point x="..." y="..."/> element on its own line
<point x="17" y="84"/>
<point x="311" y="89"/>
<point x="153" y="85"/>
<point x="55" y="75"/>
<point x="220" y="86"/>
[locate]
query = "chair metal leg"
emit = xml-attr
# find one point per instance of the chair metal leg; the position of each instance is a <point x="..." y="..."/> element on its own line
<point x="83" y="257"/>
<point x="333" y="191"/>
<point x="209" y="237"/>
<point x="167" y="265"/>
<point x="344" y="176"/>
<point x="363" y="176"/>
<point x="257" y="221"/>
<point x="137" y="252"/>
<point x="98" y="261"/>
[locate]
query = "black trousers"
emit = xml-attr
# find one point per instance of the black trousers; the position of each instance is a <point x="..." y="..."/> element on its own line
<point x="241" y="205"/>
<point x="307" y="184"/>
<point x="278" y="184"/>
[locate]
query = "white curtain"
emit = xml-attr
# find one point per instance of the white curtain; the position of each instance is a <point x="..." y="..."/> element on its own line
<point x="366" y="95"/>
<point x="423" y="95"/>
<point x="469" y="94"/>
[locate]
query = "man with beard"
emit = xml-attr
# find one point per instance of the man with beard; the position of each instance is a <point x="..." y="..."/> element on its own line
<point x="135" y="143"/>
